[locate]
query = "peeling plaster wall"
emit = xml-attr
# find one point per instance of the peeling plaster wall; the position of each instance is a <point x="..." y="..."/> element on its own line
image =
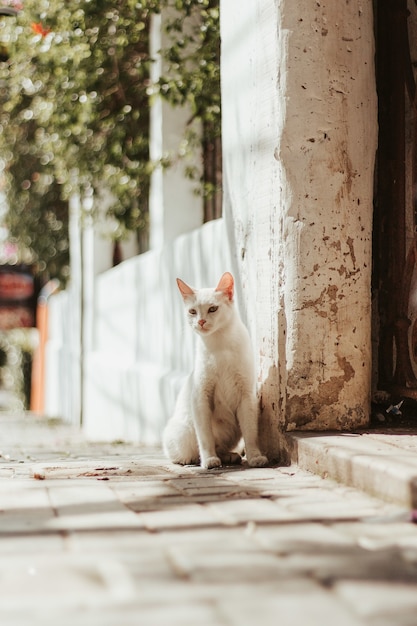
<point x="299" y="133"/>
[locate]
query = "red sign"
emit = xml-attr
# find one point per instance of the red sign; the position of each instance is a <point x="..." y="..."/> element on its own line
<point x="14" y="286"/>
<point x="17" y="297"/>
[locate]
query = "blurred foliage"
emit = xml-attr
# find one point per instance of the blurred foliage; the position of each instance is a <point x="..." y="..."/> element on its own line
<point x="74" y="109"/>
<point x="16" y="353"/>
<point x="192" y="68"/>
<point x="192" y="76"/>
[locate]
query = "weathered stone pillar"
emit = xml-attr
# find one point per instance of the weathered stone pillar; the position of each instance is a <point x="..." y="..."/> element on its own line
<point x="299" y="136"/>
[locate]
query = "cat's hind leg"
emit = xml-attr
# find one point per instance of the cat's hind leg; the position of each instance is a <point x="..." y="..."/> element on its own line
<point x="230" y="458"/>
<point x="180" y="443"/>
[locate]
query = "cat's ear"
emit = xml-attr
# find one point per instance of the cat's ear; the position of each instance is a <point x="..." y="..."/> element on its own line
<point x="226" y="285"/>
<point x="185" y="290"/>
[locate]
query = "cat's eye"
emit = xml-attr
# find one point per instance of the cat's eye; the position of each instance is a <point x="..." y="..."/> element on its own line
<point x="192" y="312"/>
<point x="213" y="309"/>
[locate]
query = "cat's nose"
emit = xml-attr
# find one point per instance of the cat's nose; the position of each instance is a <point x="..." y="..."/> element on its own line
<point x="201" y="322"/>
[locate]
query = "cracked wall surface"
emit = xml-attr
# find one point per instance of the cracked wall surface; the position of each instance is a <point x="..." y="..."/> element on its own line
<point x="299" y="131"/>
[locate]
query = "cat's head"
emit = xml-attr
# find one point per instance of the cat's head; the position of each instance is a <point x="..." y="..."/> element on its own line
<point x="208" y="310"/>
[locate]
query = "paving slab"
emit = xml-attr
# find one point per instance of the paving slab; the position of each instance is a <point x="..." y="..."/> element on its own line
<point x="290" y="603"/>
<point x="379" y="602"/>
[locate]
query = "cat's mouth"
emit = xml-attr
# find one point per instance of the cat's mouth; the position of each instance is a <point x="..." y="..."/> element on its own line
<point x="203" y="329"/>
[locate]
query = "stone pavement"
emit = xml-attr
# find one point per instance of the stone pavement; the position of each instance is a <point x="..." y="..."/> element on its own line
<point x="114" y="535"/>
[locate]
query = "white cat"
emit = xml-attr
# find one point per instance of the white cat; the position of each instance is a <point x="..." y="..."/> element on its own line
<point x="217" y="404"/>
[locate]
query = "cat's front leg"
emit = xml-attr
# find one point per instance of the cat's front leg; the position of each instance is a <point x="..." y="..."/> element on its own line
<point x="257" y="460"/>
<point x="208" y="456"/>
<point x="204" y="432"/>
<point x="247" y="416"/>
<point x="211" y="462"/>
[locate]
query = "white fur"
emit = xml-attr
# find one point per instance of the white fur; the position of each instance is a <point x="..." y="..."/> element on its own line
<point x="217" y="404"/>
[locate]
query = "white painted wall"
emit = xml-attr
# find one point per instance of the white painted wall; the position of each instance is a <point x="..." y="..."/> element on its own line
<point x="141" y="347"/>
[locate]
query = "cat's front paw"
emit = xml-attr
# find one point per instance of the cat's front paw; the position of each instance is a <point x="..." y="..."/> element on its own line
<point x="258" y="461"/>
<point x="211" y="462"/>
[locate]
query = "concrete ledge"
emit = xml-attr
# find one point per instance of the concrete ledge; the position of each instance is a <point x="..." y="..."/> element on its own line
<point x="383" y="464"/>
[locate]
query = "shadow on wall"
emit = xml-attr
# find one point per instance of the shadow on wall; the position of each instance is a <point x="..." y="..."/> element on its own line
<point x="272" y="439"/>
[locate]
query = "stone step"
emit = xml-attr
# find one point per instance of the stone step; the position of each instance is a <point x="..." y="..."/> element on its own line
<point x="383" y="464"/>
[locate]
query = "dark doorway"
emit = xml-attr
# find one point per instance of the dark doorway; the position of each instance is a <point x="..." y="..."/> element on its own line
<point x="395" y="215"/>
